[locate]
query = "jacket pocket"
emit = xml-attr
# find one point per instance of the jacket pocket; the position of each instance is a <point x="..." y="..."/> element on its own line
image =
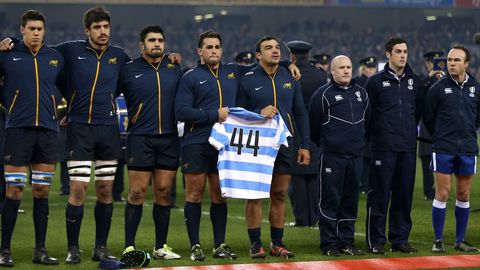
<point x="135" y="117"/>
<point x="13" y="101"/>
<point x="54" y="106"/>
<point x="112" y="101"/>
<point x="70" y="104"/>
<point x="291" y="123"/>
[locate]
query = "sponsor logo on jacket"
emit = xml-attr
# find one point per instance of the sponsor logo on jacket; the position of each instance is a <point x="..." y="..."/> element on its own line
<point x="53" y="62"/>
<point x="113" y="61"/>
<point x="410" y="84"/>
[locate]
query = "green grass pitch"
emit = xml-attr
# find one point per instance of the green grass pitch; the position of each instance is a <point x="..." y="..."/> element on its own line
<point x="304" y="242"/>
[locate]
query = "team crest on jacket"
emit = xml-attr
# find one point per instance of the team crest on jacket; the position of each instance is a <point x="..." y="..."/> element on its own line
<point x="410" y="84"/>
<point x="447" y="90"/>
<point x="472" y="91"/>
<point x="170" y="65"/>
<point x="386" y="83"/>
<point x="287" y="85"/>
<point x="112" y="61"/>
<point x="359" y="96"/>
<point x="338" y="97"/>
<point x="231" y="76"/>
<point x="53" y="62"/>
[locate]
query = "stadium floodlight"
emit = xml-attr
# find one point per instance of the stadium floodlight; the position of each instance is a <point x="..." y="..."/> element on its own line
<point x="223" y="12"/>
<point x="431" y="18"/>
<point x="208" y="16"/>
<point x="198" y="18"/>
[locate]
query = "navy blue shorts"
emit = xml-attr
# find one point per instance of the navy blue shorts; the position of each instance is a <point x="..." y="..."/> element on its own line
<point x="464" y="165"/>
<point x="24" y="146"/>
<point x="148" y="152"/>
<point x="199" y="158"/>
<point x="283" y="162"/>
<point x="92" y="142"/>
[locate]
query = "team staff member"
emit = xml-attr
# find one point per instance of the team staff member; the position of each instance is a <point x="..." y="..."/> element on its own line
<point x="452" y="115"/>
<point x="304" y="185"/>
<point x="203" y="97"/>
<point x="30" y="73"/>
<point x="424" y="144"/>
<point x="269" y="89"/>
<point x="338" y="112"/>
<point x="396" y="97"/>
<point x="149" y="84"/>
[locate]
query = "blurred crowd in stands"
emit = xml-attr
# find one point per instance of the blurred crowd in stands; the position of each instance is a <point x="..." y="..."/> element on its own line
<point x="331" y="37"/>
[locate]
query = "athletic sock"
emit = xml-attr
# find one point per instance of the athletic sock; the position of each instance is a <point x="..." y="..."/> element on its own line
<point x="439" y="210"/>
<point x="161" y="217"/>
<point x="9" y="218"/>
<point x="192" y="214"/>
<point x="40" y="220"/>
<point x="462" y="211"/>
<point x="133" y="215"/>
<point x="255" y="236"/>
<point x="218" y="217"/>
<point x="73" y="216"/>
<point x="276" y="234"/>
<point x="103" y="220"/>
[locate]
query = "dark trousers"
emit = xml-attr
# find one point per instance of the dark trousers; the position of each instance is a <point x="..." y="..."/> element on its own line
<point x="391" y="183"/>
<point x="365" y="174"/>
<point x="428" y="182"/>
<point x="304" y="193"/>
<point x="339" y="188"/>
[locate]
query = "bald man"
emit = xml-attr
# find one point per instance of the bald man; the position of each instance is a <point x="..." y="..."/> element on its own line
<point x="338" y="111"/>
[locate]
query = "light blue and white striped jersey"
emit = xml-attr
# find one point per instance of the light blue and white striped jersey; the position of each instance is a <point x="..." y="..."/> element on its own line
<point x="248" y="144"/>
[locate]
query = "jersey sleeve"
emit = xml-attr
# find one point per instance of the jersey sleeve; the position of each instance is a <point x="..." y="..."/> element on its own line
<point x="282" y="133"/>
<point x="218" y="136"/>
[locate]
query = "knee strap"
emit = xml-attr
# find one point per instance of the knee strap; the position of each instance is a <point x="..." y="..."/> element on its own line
<point x="16" y="179"/>
<point x="42" y="178"/>
<point x="105" y="170"/>
<point x="79" y="170"/>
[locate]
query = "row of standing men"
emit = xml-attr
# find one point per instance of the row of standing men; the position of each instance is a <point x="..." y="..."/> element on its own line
<point x="86" y="72"/>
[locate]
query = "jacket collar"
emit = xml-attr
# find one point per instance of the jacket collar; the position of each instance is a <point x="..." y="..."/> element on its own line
<point x="390" y="74"/>
<point x="22" y="47"/>
<point x="470" y="81"/>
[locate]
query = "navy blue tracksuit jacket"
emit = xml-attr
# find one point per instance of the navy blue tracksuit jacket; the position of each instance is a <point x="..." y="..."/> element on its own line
<point x="258" y="90"/>
<point x="452" y="115"/>
<point x="201" y="92"/>
<point x="29" y="91"/>
<point x="91" y="81"/>
<point x="150" y="92"/>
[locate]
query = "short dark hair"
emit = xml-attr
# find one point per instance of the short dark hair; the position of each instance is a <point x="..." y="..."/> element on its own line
<point x="259" y="43"/>
<point x="465" y="50"/>
<point x="95" y="14"/>
<point x="32" y="15"/>
<point x="392" y="42"/>
<point x="150" y="29"/>
<point x="208" y="34"/>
